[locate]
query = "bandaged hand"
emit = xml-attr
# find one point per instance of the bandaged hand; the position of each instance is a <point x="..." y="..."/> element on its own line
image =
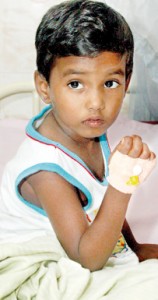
<point x="130" y="164"/>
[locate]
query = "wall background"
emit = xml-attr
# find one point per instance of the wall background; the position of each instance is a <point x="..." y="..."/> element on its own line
<point x="142" y="17"/>
<point x="18" y="23"/>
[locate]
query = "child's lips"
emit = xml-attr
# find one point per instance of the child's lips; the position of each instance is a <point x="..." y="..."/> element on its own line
<point x="94" y="122"/>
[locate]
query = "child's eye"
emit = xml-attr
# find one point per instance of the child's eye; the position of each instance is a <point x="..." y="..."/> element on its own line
<point x="111" y="84"/>
<point x="75" y="85"/>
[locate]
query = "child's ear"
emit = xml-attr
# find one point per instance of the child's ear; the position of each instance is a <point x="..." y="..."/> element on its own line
<point x="128" y="79"/>
<point x="42" y="87"/>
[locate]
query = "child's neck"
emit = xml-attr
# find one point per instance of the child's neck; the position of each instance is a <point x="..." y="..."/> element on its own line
<point x="52" y="130"/>
<point x="89" y="150"/>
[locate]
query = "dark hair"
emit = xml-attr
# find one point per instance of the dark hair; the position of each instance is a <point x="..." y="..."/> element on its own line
<point x="81" y="28"/>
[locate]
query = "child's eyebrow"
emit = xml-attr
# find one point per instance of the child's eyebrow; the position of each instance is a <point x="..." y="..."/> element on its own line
<point x="78" y="72"/>
<point x="117" y="72"/>
<point x="73" y="71"/>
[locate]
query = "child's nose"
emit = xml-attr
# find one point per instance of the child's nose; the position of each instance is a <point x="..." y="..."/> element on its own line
<point x="96" y="100"/>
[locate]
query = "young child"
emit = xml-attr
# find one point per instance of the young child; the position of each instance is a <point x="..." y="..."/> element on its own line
<point x="63" y="179"/>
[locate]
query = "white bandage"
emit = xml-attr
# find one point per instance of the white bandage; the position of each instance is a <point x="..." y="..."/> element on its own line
<point x="126" y="173"/>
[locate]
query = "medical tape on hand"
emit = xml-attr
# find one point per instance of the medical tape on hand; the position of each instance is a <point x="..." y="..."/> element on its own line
<point x="126" y="173"/>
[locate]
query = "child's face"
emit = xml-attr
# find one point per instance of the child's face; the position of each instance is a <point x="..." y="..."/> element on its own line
<point x="87" y="93"/>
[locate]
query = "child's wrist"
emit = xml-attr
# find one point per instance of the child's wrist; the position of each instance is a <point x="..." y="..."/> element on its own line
<point x="116" y="194"/>
<point x="126" y="173"/>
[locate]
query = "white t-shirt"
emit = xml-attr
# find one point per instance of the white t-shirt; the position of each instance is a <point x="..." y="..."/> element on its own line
<point x="19" y="219"/>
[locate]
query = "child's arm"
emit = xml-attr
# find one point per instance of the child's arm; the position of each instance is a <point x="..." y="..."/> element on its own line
<point x="92" y="245"/>
<point x="143" y="251"/>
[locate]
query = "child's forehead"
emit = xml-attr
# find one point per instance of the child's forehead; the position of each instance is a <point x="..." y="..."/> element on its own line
<point x="84" y="64"/>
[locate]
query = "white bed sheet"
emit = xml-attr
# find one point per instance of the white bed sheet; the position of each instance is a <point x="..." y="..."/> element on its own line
<point x="142" y="213"/>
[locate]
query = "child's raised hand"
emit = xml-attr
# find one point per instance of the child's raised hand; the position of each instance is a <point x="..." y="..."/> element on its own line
<point x="130" y="164"/>
<point x="134" y="147"/>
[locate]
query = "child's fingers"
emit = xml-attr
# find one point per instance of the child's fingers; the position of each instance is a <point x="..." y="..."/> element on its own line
<point x="125" y="145"/>
<point x="152" y="155"/>
<point x="140" y="149"/>
<point x="134" y="147"/>
<point x="137" y="147"/>
<point x="146" y="153"/>
<point x="131" y="145"/>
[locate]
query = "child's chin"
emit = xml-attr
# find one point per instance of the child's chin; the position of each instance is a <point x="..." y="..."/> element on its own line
<point x="94" y="134"/>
